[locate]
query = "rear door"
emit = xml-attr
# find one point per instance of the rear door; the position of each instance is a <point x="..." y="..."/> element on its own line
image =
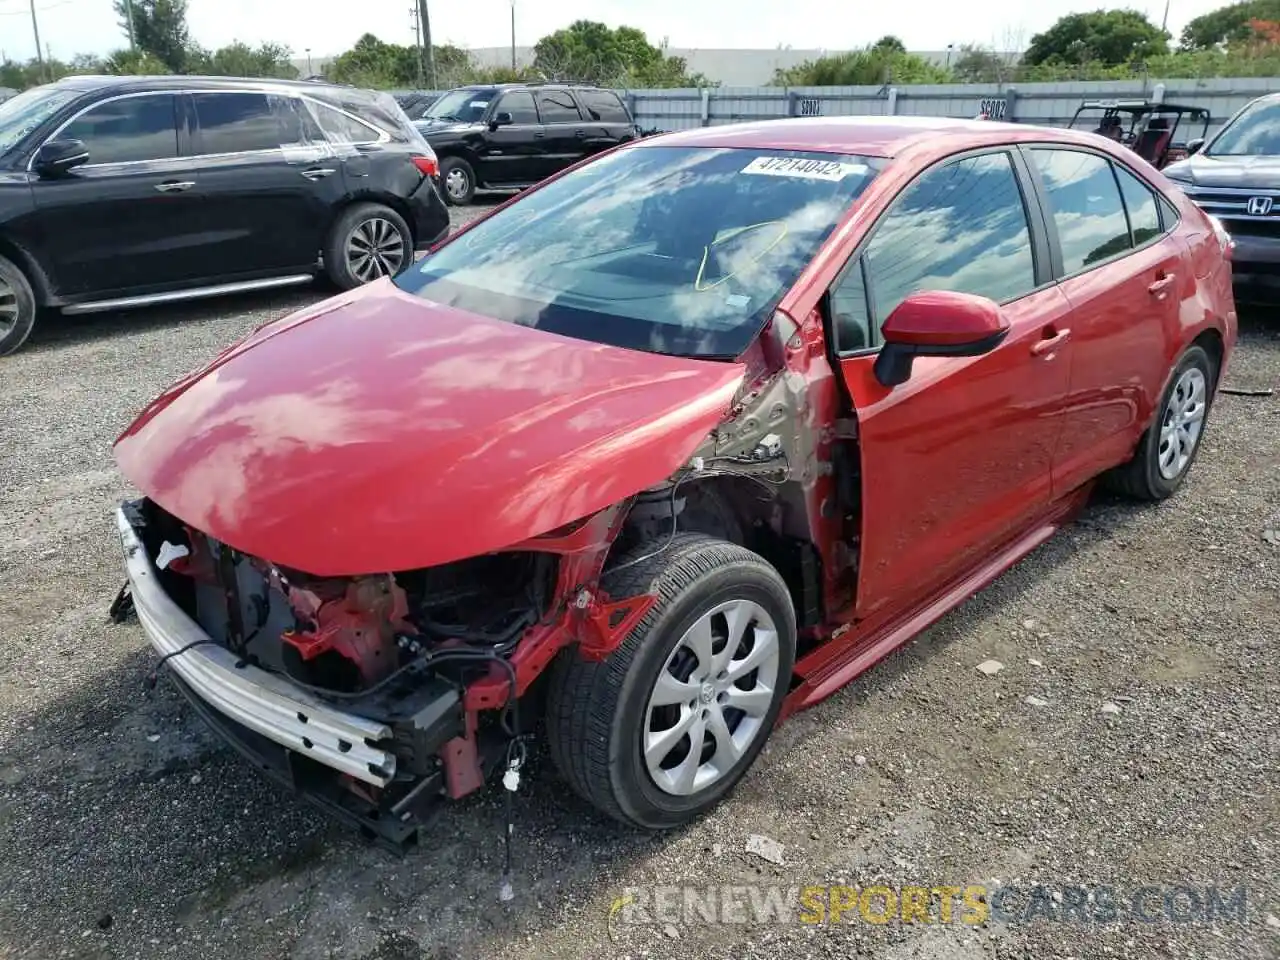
<point x="269" y="189"/>
<point x="566" y="135"/>
<point x="515" y="153"/>
<point x="959" y="458"/>
<point x="127" y="219"/>
<point x="1122" y="270"/>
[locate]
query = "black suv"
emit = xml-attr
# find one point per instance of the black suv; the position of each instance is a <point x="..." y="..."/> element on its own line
<point x="1236" y="178"/>
<point x="122" y="191"/>
<point x="510" y="136"/>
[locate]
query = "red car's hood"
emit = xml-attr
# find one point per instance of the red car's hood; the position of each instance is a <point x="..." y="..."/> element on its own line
<point x="382" y="432"/>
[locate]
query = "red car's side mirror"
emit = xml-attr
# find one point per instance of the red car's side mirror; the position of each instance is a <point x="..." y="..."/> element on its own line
<point x="937" y="323"/>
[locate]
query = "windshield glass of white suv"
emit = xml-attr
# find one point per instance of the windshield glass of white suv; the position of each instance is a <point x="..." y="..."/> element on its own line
<point x="467" y="106"/>
<point x="673" y="250"/>
<point x="23" y="113"/>
<point x="1255" y="133"/>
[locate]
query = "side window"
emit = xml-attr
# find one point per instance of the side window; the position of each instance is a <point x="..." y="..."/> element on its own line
<point x="961" y="226"/>
<point x="236" y="122"/>
<point x="128" y="129"/>
<point x="850" y="318"/>
<point x="1140" y="201"/>
<point x="519" y="104"/>
<point x="340" y="128"/>
<point x="604" y="106"/>
<point x="557" y="106"/>
<point x="1086" y="206"/>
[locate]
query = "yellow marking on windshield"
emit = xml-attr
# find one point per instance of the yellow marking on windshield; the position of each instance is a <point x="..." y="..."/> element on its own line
<point x="729" y="235"/>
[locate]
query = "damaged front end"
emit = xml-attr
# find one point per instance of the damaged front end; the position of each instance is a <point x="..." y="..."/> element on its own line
<point x="372" y="696"/>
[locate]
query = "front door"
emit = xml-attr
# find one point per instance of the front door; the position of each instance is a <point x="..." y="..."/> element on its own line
<point x="125" y="220"/>
<point x="959" y="458"/>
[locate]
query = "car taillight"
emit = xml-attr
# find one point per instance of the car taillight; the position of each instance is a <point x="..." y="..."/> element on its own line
<point x="427" y="165"/>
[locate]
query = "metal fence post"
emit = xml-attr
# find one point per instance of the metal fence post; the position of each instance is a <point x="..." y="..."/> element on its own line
<point x="706" y="106"/>
<point x="891" y="108"/>
<point x="1011" y="105"/>
<point x="1157" y="93"/>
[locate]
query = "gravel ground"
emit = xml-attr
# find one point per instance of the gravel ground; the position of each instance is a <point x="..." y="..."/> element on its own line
<point x="127" y="831"/>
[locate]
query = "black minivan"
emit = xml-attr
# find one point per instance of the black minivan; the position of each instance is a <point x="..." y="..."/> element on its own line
<point x="117" y="192"/>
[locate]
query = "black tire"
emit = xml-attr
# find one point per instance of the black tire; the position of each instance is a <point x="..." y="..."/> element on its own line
<point x="1140" y="478"/>
<point x="596" y="710"/>
<point x="460" y="170"/>
<point x="339" y="267"/>
<point x="17" y="307"/>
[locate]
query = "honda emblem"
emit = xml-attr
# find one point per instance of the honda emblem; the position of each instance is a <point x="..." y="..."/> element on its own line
<point x="1259" y="206"/>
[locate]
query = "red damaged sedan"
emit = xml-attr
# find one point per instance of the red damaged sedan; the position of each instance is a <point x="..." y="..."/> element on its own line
<point x="669" y="447"/>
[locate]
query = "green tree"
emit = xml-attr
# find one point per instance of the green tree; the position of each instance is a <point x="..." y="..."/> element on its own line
<point x="160" y="29"/>
<point x="372" y="63"/>
<point x="974" y="64"/>
<point x="135" y="62"/>
<point x="1109" y="37"/>
<point x="1229" y="24"/>
<point x="890" y="43"/>
<point x="591" y="52"/>
<point x="241" y="60"/>
<point x="870" y="67"/>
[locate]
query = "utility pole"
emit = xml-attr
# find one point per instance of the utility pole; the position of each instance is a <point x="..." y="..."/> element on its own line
<point x="513" y="36"/>
<point x="35" y="28"/>
<point x="417" y="33"/>
<point x="128" y="13"/>
<point x="424" y="21"/>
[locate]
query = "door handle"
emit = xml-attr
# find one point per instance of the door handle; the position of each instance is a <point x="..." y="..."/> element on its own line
<point x="316" y="173"/>
<point x="579" y="133"/>
<point x="175" y="186"/>
<point x="1158" y="288"/>
<point x="539" y="135"/>
<point x="1050" y="342"/>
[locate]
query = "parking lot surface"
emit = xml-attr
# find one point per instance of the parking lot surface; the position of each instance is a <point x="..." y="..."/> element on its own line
<point x="1131" y="739"/>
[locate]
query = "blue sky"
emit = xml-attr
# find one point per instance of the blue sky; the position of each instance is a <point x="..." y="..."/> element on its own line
<point x="330" y="26"/>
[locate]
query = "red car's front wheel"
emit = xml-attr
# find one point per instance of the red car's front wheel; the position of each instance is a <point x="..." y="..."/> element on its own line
<point x="662" y="729"/>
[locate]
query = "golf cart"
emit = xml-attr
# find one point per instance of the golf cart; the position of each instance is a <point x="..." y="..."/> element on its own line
<point x="1146" y="127"/>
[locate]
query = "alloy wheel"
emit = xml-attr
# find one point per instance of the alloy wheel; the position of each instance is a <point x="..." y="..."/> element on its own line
<point x="711" y="698"/>
<point x="8" y="307"/>
<point x="375" y="249"/>
<point x="1182" y="422"/>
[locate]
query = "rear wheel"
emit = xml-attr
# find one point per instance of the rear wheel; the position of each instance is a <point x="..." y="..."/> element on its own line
<point x="459" y="181"/>
<point x="368" y="241"/>
<point x="1169" y="447"/>
<point x="17" y="307"/>
<point x="662" y="729"/>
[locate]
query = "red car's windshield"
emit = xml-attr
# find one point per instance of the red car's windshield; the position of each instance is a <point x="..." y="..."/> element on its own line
<point x="669" y="249"/>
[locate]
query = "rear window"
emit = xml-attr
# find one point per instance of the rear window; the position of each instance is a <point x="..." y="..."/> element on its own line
<point x="669" y="249"/>
<point x="557" y="106"/>
<point x="603" y="105"/>
<point x="236" y="123"/>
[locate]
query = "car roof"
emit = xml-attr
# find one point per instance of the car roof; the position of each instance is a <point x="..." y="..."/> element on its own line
<point x="122" y="84"/>
<point x="872" y="136"/>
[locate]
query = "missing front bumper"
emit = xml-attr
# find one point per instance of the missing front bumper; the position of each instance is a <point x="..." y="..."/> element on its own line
<point x="257" y="700"/>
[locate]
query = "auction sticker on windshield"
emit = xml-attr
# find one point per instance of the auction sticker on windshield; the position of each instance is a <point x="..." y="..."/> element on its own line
<point x="807" y="169"/>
